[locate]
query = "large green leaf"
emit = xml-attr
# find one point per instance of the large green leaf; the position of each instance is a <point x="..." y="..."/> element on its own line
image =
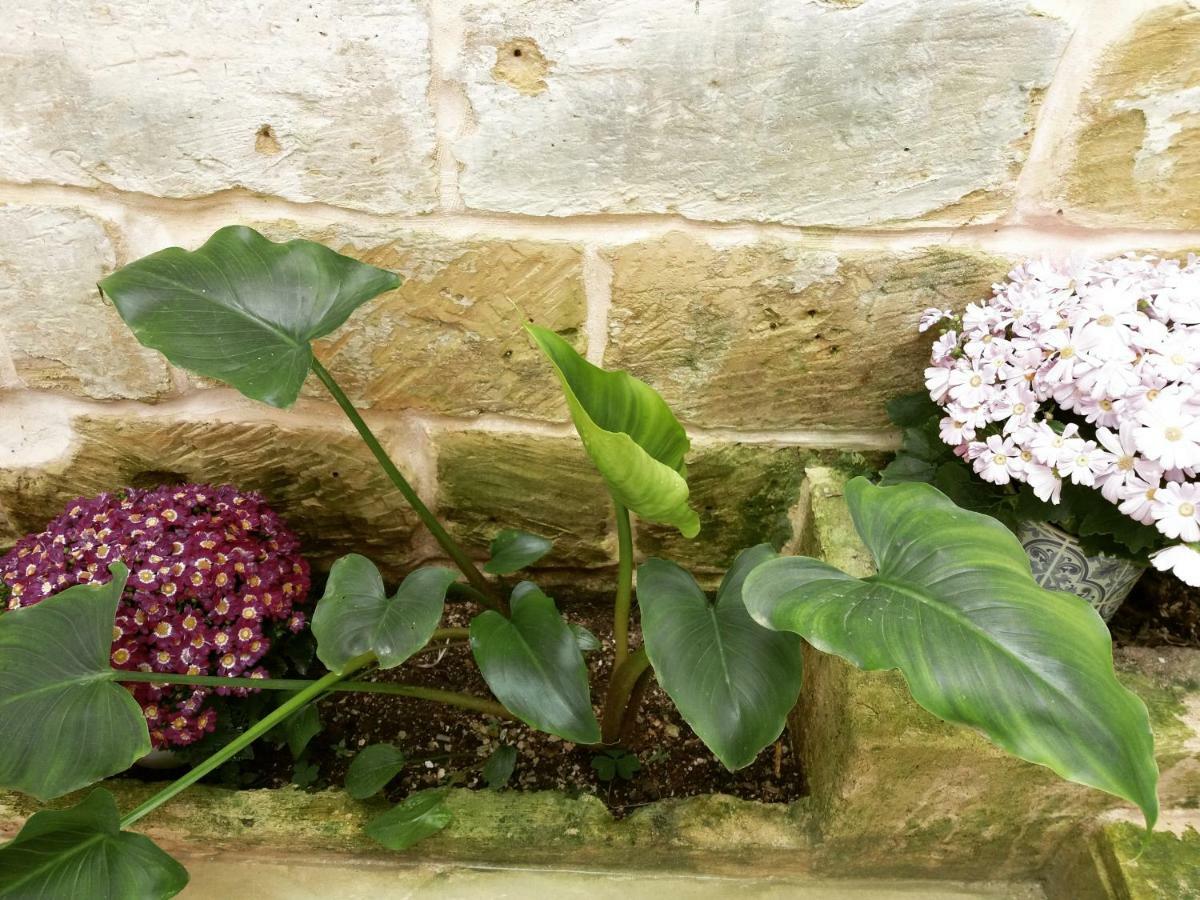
<point x="355" y="615"/>
<point x="955" y="609"/>
<point x="413" y="819"/>
<point x="533" y="664"/>
<point x="630" y="433"/>
<point x="733" y="680"/>
<point x="65" y="721"/>
<point x="243" y="309"/>
<point x="82" y="852"/>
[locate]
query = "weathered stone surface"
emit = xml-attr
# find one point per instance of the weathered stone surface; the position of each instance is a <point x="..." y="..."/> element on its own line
<point x="319" y="477"/>
<point x="545" y="485"/>
<point x="58" y="331"/>
<point x="714" y="834"/>
<point x="1163" y="866"/>
<point x="743" y="493"/>
<point x="896" y="789"/>
<point x="1137" y="148"/>
<point x="451" y="339"/>
<point x="810" y="113"/>
<point x="777" y="335"/>
<point x="325" y="101"/>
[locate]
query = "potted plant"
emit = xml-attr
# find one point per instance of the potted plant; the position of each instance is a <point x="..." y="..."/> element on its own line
<point x="953" y="605"/>
<point x="1066" y="405"/>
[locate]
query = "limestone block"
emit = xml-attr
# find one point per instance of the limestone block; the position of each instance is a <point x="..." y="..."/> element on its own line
<point x="802" y="112"/>
<point x="782" y="335"/>
<point x="1136" y="149"/>
<point x="323" y="101"/>
<point x="60" y="334"/>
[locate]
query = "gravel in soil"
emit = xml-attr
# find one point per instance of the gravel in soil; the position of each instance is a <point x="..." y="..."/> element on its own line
<point x="1161" y="611"/>
<point x="447" y="745"/>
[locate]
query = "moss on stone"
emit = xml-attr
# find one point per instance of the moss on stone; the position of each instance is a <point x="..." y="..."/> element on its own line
<point x="1159" y="866"/>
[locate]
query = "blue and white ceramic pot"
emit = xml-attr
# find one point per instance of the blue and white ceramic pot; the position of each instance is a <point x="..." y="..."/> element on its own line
<point x="1060" y="564"/>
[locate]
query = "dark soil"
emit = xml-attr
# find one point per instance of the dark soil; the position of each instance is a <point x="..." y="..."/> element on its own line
<point x="445" y="744"/>
<point x="1161" y="611"/>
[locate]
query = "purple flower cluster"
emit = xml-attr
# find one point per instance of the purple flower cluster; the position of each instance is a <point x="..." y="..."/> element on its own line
<point x="213" y="574"/>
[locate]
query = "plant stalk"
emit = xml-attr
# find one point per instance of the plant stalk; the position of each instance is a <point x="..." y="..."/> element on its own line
<point x="624" y="602"/>
<point x="452" y="698"/>
<point x="451" y="546"/>
<point x="620" y="687"/>
<point x="314" y="690"/>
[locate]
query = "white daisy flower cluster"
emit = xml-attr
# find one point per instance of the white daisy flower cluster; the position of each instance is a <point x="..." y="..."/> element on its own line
<point x="1083" y="370"/>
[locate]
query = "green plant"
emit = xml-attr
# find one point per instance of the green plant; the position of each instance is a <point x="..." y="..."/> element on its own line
<point x="962" y="619"/>
<point x="614" y="763"/>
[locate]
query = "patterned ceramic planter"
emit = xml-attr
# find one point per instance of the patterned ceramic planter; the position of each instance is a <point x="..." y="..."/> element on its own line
<point x="1060" y="564"/>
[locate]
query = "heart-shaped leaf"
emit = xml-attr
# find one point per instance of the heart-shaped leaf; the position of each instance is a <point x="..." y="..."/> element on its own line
<point x="499" y="766"/>
<point x="243" y="309"/>
<point x="513" y="550"/>
<point x="81" y="851"/>
<point x="355" y="615"/>
<point x="733" y="680"/>
<point x="66" y="722"/>
<point x="371" y="769"/>
<point x="955" y="609"/>
<point x="629" y="432"/>
<point x="533" y="664"/>
<point x="413" y="819"/>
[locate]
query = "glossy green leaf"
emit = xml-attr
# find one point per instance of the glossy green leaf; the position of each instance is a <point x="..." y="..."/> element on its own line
<point x="355" y="615"/>
<point x="733" y="681"/>
<point x="955" y="609"/>
<point x="513" y="550"/>
<point x="629" y="432"/>
<point x="415" y="818"/>
<point x="533" y="664"/>
<point x="243" y="309"/>
<point x="66" y="722"/>
<point x="371" y="770"/>
<point x="81" y="852"/>
<point x="500" y="765"/>
<point x="301" y="727"/>
<point x="587" y="641"/>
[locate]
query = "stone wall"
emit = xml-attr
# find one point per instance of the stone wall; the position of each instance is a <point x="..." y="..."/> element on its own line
<point x="745" y="202"/>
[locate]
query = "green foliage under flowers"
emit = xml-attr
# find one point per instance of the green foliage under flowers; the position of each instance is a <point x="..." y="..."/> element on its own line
<point x="923" y="457"/>
<point x="954" y="607"/>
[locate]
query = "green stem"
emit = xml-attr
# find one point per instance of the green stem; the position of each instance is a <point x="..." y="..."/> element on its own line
<point x="453" y="550"/>
<point x="314" y="690"/>
<point x="453" y="698"/>
<point x="620" y="686"/>
<point x="624" y="602"/>
<point x="633" y="706"/>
